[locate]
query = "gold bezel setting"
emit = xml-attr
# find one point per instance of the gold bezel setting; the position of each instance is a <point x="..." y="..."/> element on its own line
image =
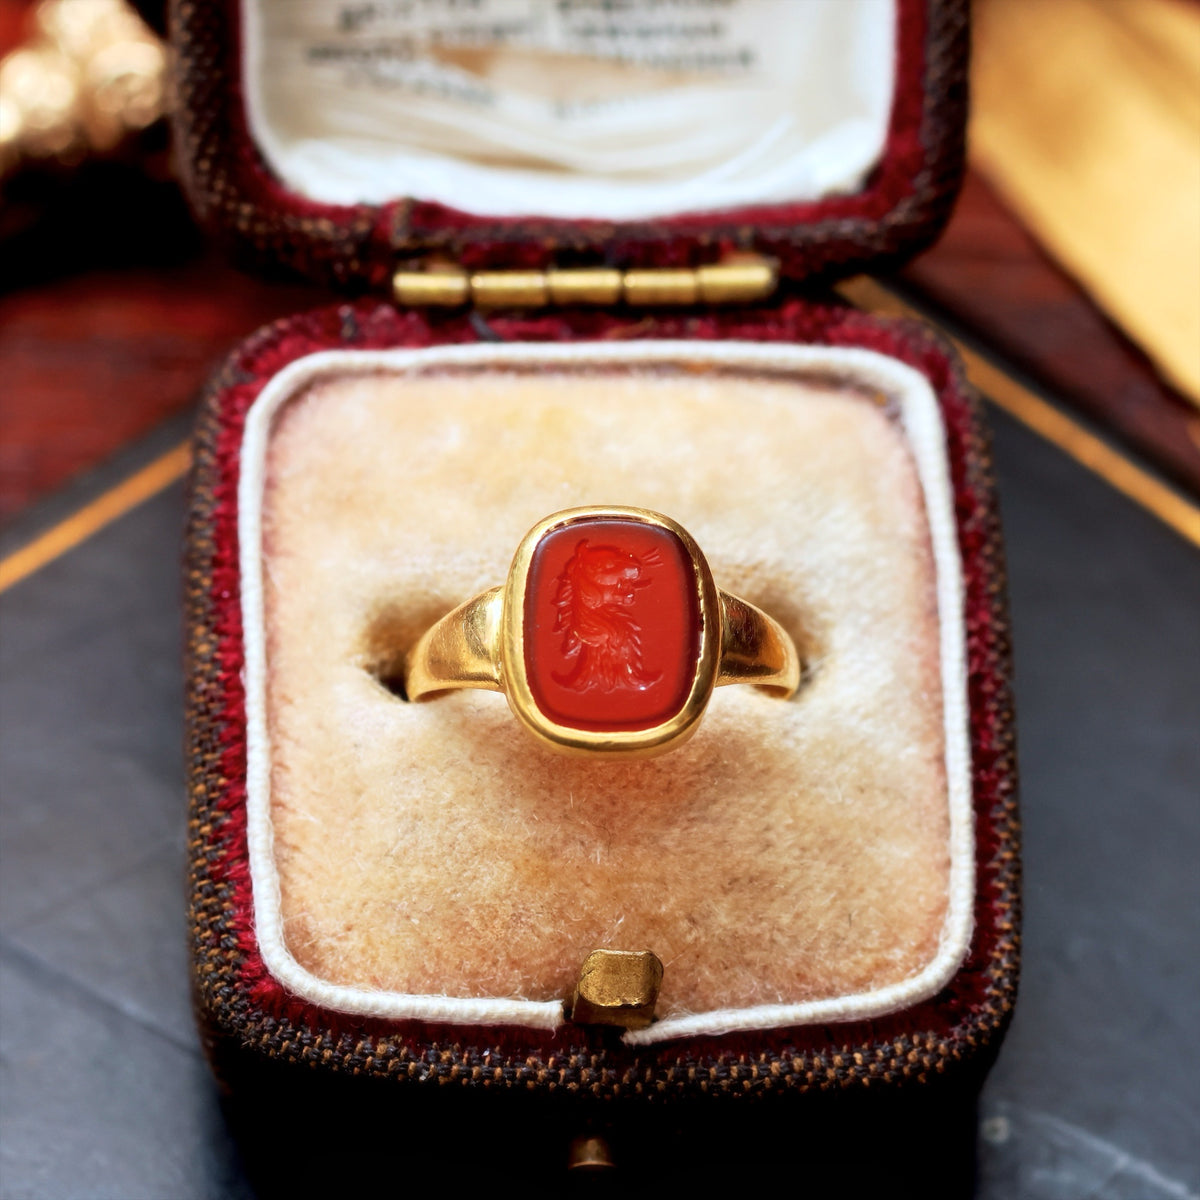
<point x="656" y="739"/>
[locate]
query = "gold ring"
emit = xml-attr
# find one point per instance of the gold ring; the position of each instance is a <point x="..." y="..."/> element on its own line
<point x="607" y="638"/>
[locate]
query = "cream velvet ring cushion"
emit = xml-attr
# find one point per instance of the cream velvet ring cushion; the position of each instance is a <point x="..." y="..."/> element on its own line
<point x="802" y="860"/>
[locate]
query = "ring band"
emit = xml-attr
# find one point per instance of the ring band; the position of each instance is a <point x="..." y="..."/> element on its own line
<point x="607" y="638"/>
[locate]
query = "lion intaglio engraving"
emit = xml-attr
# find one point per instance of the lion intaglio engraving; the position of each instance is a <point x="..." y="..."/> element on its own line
<point x="595" y="590"/>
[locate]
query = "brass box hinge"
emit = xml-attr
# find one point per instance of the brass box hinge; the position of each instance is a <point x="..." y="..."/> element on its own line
<point x="738" y="279"/>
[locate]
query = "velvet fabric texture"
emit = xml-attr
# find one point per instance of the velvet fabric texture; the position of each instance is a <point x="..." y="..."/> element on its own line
<point x="790" y="851"/>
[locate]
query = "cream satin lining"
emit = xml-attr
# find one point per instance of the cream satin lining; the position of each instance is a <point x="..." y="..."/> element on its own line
<point x="519" y="107"/>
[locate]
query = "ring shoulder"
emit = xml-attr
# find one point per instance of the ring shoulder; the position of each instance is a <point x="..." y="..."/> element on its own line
<point x="755" y="649"/>
<point x="462" y="650"/>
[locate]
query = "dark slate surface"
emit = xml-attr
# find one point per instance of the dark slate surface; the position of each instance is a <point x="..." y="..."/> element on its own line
<point x="103" y="1092"/>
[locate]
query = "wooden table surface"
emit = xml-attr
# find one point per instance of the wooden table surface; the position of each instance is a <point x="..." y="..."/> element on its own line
<point x="991" y="279"/>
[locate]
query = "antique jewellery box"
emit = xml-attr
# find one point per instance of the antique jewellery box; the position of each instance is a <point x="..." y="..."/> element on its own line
<point x="581" y="435"/>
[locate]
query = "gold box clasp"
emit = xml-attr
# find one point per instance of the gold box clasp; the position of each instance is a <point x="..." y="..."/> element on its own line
<point x="617" y="987"/>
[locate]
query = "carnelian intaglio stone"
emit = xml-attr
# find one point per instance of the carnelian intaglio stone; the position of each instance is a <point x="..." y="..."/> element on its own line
<point x="611" y="625"/>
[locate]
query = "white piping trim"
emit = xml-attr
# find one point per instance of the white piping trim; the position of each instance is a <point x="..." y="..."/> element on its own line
<point x="923" y="424"/>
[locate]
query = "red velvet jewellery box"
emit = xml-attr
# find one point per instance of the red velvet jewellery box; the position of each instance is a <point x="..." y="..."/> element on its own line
<point x="391" y="901"/>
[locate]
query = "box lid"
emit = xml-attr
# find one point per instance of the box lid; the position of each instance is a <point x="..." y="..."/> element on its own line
<point x="348" y="141"/>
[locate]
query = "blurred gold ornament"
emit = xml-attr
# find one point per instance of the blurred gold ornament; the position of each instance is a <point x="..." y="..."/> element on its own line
<point x="91" y="74"/>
